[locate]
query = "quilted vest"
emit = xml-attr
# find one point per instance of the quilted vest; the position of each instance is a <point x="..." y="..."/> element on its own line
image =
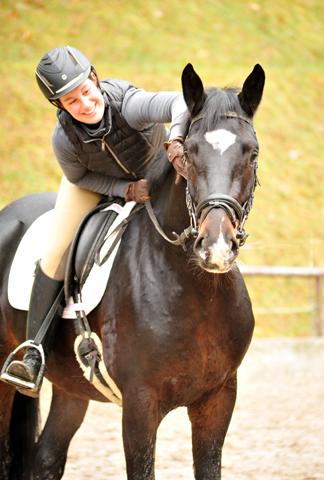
<point x="120" y="151"/>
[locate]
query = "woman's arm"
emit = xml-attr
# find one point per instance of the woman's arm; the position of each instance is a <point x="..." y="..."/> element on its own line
<point x="141" y="109"/>
<point x="78" y="174"/>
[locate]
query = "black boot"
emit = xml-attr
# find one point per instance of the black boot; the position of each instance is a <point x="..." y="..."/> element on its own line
<point x="28" y="368"/>
<point x="24" y="374"/>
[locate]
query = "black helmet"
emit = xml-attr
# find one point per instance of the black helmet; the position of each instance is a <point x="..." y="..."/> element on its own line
<point x="61" y="70"/>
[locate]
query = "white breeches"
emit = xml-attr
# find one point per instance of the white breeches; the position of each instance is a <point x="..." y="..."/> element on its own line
<point x="72" y="204"/>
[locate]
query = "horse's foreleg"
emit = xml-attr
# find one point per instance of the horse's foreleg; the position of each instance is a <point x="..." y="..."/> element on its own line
<point x="65" y="417"/>
<point x="210" y="420"/>
<point x="6" y="394"/>
<point x="140" y="423"/>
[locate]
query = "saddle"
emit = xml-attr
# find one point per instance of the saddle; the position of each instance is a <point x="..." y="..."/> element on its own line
<point x="87" y="241"/>
<point x="85" y="250"/>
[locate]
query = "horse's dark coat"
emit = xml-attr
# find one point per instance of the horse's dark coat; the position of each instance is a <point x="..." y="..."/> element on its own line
<point x="173" y="334"/>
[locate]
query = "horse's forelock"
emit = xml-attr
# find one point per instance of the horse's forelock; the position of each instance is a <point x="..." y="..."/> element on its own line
<point x="219" y="101"/>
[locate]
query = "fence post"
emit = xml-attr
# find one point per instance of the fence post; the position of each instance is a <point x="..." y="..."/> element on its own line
<point x="320" y="309"/>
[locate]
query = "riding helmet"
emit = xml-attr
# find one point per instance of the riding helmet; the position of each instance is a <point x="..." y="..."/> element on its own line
<point x="62" y="70"/>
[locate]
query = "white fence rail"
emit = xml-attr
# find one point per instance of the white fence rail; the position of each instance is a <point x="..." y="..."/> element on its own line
<point x="316" y="272"/>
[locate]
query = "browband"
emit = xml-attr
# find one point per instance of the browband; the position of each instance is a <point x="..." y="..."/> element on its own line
<point x="236" y="115"/>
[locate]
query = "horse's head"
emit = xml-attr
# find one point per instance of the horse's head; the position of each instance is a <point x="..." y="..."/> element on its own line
<point x="221" y="150"/>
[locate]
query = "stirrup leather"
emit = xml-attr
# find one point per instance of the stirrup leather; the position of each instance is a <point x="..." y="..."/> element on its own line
<point x="33" y="387"/>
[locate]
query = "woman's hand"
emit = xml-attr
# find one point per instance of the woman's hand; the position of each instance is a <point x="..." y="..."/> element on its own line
<point x="174" y="149"/>
<point x="137" y="191"/>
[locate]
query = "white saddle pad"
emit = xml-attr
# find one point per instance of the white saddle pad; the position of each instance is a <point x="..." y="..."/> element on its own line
<point x="31" y="249"/>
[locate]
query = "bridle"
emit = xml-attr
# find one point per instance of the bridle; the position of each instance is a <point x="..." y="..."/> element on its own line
<point x="237" y="213"/>
<point x="234" y="210"/>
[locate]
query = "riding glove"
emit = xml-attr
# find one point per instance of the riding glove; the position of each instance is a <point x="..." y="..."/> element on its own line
<point x="174" y="149"/>
<point x="137" y="191"/>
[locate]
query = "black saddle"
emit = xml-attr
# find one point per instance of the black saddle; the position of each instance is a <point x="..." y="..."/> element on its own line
<point x="87" y="240"/>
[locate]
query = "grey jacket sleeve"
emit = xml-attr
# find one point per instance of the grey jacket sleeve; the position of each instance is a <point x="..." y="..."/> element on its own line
<point x="141" y="109"/>
<point x="78" y="174"/>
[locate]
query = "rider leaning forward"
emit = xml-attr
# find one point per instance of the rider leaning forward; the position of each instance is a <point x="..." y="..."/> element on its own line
<point x="106" y="136"/>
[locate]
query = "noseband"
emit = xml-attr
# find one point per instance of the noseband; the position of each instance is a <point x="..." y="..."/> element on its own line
<point x="237" y="214"/>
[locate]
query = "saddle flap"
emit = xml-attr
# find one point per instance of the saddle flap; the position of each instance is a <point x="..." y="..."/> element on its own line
<point x="88" y="238"/>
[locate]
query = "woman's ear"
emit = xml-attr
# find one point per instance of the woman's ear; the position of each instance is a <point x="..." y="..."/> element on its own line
<point x="94" y="79"/>
<point x="59" y="104"/>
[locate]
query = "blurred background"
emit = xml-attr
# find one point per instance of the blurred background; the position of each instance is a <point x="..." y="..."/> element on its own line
<point x="148" y="43"/>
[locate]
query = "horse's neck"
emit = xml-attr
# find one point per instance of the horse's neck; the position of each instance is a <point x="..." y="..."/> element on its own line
<point x="169" y="204"/>
<point x="170" y="208"/>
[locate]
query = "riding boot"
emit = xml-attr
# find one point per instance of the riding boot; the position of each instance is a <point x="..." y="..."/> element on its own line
<point x="44" y="293"/>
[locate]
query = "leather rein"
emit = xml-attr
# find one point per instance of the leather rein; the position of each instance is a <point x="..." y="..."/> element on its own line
<point x="237" y="213"/>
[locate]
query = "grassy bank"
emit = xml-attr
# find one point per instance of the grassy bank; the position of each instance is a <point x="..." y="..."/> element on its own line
<point x="149" y="43"/>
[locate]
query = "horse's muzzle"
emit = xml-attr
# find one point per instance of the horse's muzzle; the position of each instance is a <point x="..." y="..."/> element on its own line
<point x="216" y="246"/>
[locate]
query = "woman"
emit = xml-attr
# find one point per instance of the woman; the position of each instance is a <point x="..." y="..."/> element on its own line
<point x="106" y="135"/>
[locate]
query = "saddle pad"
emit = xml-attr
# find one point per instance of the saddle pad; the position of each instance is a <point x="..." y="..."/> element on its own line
<point x="109" y="389"/>
<point x="30" y="250"/>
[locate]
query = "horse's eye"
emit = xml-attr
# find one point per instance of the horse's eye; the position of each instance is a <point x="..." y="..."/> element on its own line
<point x="187" y="156"/>
<point x="254" y="157"/>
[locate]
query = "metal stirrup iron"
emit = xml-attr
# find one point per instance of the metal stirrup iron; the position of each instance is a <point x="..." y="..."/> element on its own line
<point x="33" y="387"/>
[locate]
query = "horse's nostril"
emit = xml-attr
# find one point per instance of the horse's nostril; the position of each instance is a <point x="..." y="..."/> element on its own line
<point x="234" y="247"/>
<point x="200" y="249"/>
<point x="199" y="243"/>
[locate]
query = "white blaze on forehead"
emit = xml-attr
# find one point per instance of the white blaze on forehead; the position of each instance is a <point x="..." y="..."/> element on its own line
<point x="220" y="139"/>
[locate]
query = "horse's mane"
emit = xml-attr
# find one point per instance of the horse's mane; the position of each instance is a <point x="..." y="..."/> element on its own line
<point x="217" y="101"/>
<point x="158" y="170"/>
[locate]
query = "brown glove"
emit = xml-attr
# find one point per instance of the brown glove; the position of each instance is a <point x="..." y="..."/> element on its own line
<point x="137" y="191"/>
<point x="174" y="149"/>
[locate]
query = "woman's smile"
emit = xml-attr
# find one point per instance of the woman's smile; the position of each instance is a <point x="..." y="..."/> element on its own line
<point x="85" y="103"/>
<point x="91" y="111"/>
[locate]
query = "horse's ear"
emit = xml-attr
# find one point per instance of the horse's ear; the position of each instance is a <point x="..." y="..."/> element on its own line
<point x="193" y="90"/>
<point x="251" y="94"/>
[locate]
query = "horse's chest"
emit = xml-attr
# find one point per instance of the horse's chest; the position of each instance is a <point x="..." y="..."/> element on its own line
<point x="191" y="369"/>
<point x="185" y="383"/>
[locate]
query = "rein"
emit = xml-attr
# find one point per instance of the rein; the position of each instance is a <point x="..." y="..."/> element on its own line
<point x="180" y="239"/>
<point x="234" y="210"/>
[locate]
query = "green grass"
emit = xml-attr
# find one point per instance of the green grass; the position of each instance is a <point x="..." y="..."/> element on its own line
<point x="149" y="43"/>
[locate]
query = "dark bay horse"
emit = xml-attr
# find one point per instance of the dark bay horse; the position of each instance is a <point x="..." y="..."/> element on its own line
<point x="175" y="325"/>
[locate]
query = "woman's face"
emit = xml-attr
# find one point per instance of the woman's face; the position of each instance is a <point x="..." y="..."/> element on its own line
<point x="85" y="103"/>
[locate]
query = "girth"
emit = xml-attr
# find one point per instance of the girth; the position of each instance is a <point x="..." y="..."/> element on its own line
<point x="84" y="252"/>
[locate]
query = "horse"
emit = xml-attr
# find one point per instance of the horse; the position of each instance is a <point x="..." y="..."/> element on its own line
<point x="175" y="323"/>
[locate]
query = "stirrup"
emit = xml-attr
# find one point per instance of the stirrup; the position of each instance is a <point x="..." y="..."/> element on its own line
<point x="28" y="388"/>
